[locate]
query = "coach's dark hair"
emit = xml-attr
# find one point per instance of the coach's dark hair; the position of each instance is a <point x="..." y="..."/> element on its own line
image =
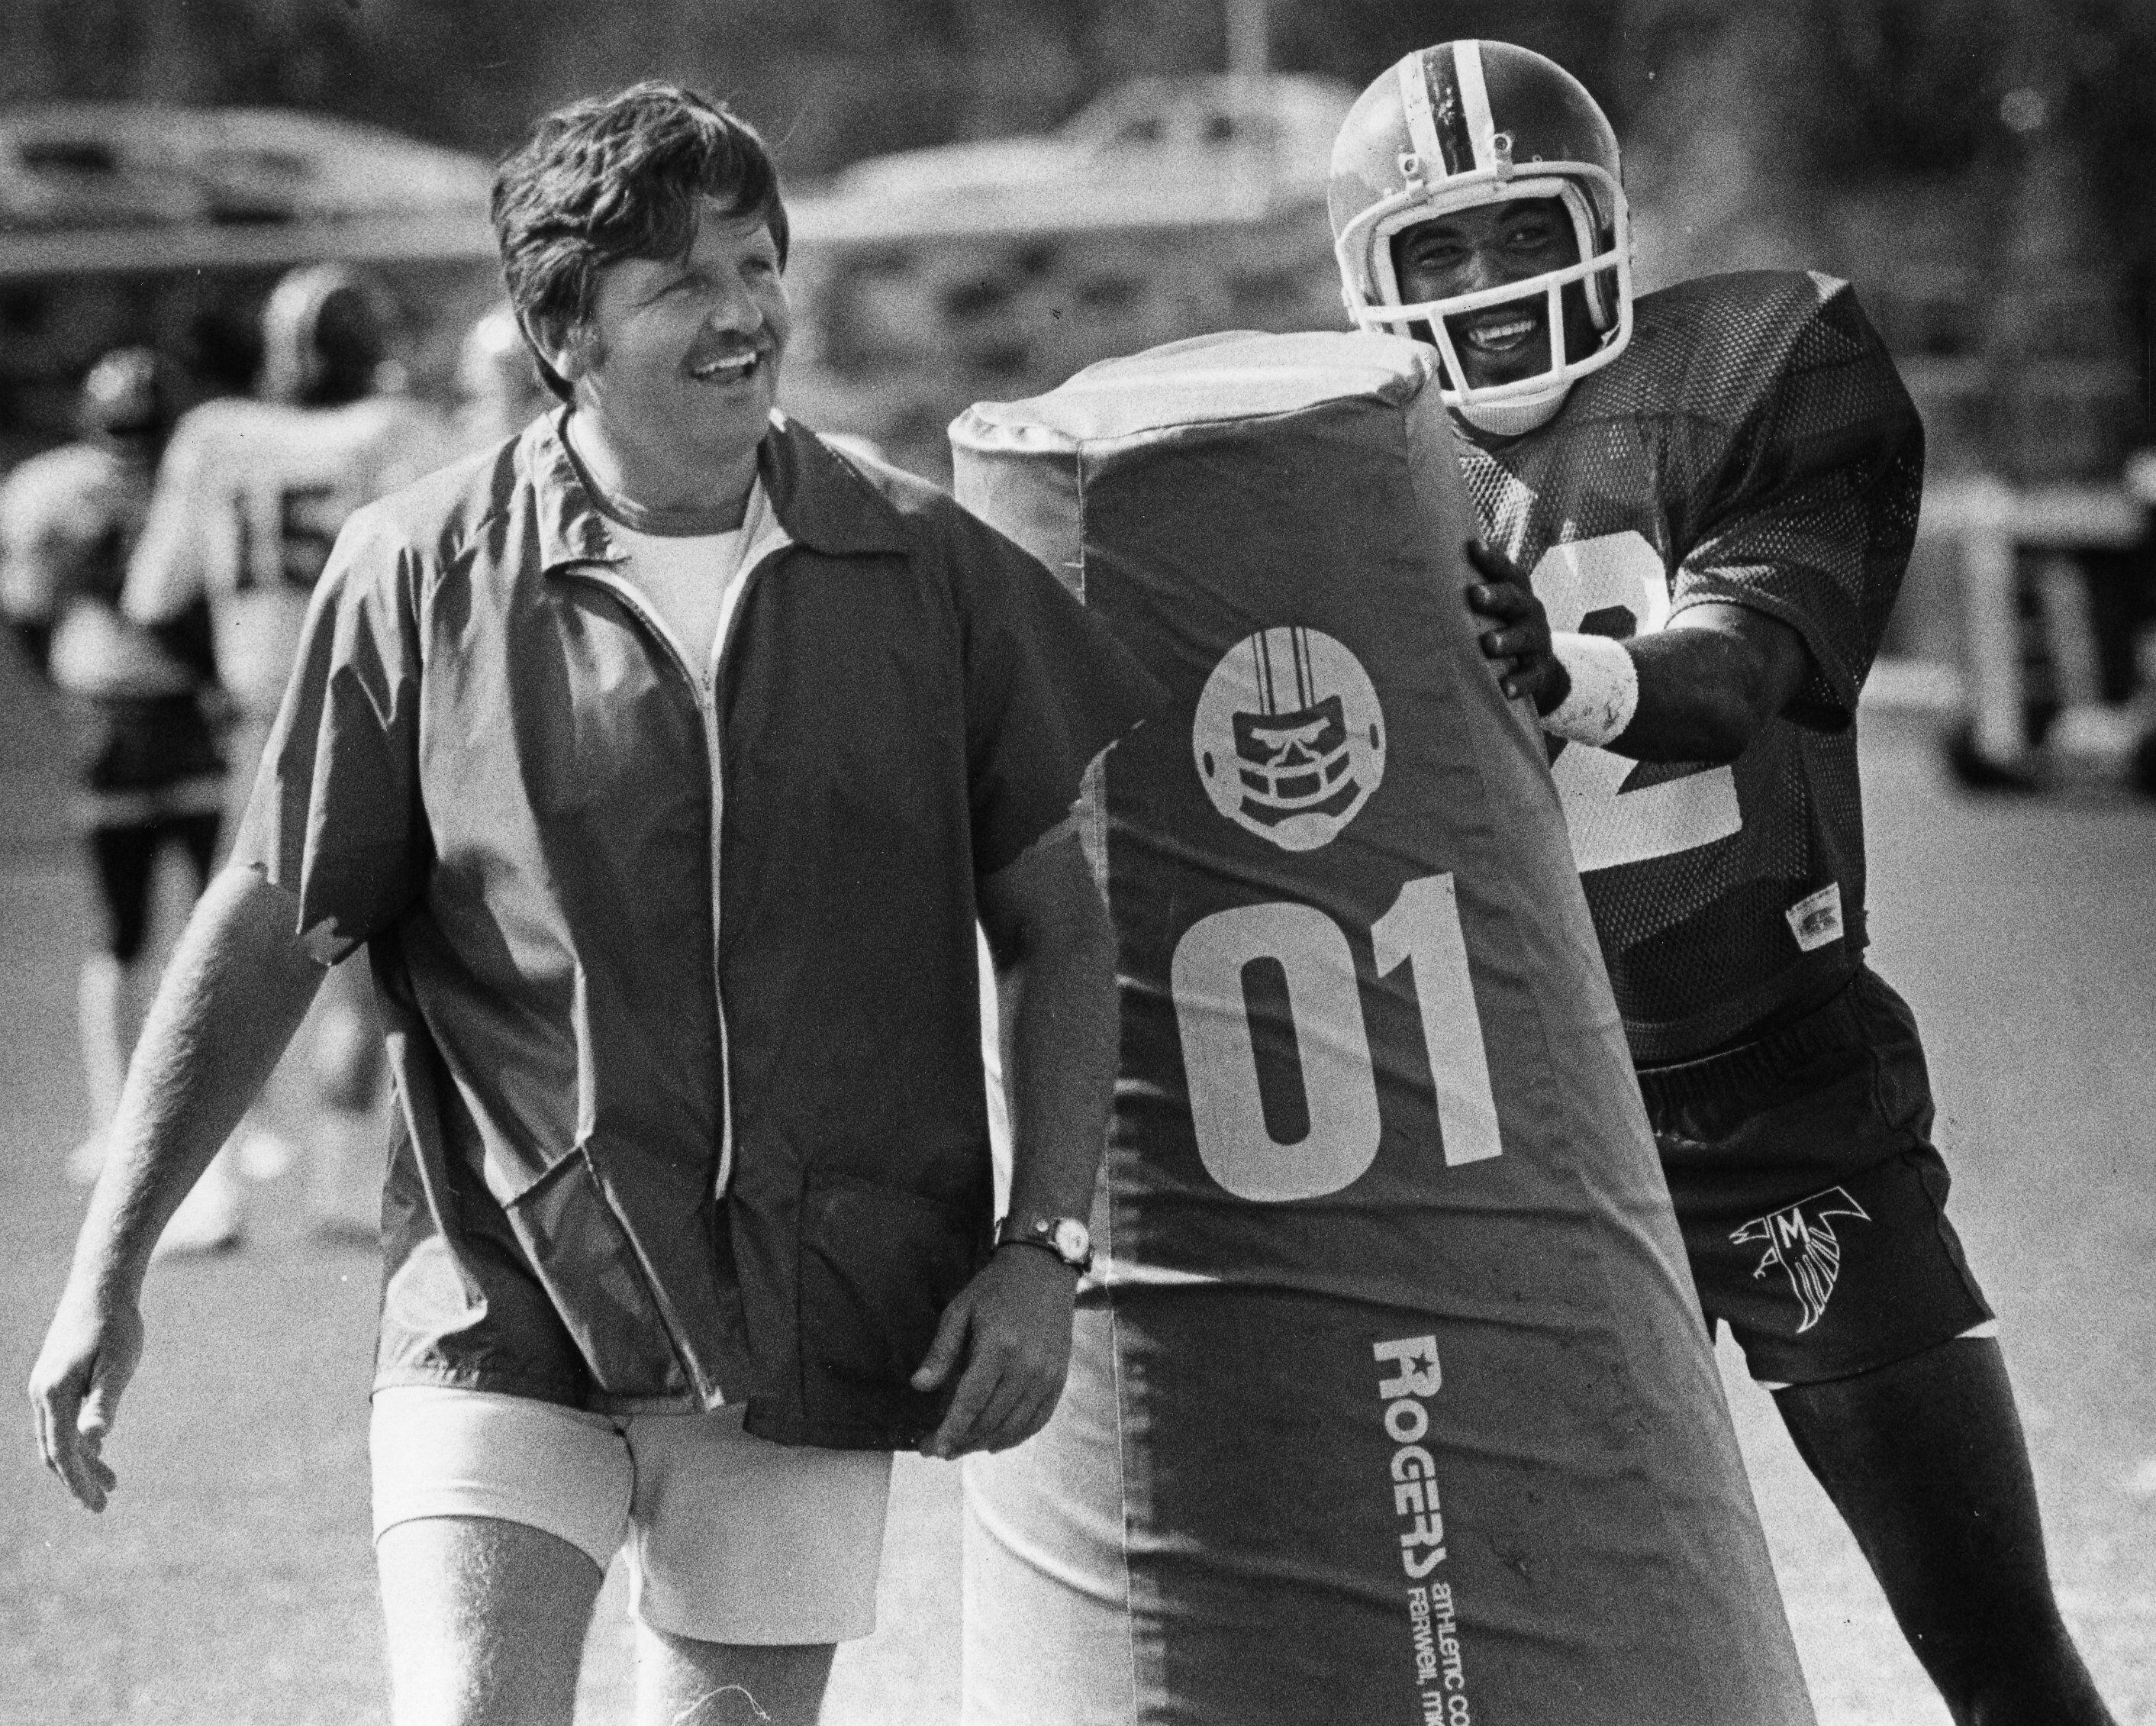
<point x="620" y="176"/>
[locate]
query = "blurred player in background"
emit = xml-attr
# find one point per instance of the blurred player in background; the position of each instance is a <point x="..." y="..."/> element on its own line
<point x="1710" y="495"/>
<point x="248" y="500"/>
<point x="151" y="771"/>
<point x="499" y="390"/>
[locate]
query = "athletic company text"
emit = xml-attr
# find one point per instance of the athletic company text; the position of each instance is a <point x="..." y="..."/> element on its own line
<point x="1433" y="1620"/>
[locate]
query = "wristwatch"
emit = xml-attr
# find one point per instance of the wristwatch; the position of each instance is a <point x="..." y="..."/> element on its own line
<point x="1065" y="1236"/>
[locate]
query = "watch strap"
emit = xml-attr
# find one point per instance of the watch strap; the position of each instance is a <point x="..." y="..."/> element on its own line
<point x="1041" y="1231"/>
<point x="1047" y="1246"/>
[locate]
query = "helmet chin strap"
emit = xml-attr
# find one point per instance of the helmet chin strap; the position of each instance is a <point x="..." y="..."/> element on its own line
<point x="1517" y="416"/>
<point x="1508" y="416"/>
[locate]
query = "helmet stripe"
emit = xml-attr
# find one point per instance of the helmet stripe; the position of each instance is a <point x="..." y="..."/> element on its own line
<point x="1455" y="147"/>
<point x="1422" y="125"/>
<point x="1475" y="102"/>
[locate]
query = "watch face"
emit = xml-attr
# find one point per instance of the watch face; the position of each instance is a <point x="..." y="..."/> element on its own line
<point x="1072" y="1242"/>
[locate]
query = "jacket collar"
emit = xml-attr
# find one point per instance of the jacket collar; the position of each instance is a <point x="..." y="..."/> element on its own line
<point x="820" y="498"/>
<point x="571" y="529"/>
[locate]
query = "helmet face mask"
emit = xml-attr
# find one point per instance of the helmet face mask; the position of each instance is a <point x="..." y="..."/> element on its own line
<point x="1466" y="125"/>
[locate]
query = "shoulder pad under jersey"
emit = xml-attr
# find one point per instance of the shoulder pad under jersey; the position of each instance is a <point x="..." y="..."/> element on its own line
<point x="1725" y="349"/>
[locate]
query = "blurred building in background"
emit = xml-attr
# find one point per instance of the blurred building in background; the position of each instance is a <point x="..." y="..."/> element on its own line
<point x="1170" y="205"/>
<point x="1976" y="166"/>
<point x="992" y="192"/>
<point x="133" y="222"/>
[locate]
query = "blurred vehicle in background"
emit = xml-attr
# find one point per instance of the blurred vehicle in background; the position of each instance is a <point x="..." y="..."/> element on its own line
<point x="1170" y="207"/>
<point x="133" y="223"/>
<point x="130" y="186"/>
<point x="1173" y="146"/>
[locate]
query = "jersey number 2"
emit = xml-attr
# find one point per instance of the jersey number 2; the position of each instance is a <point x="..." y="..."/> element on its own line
<point x="1615" y="585"/>
<point x="1300" y="1120"/>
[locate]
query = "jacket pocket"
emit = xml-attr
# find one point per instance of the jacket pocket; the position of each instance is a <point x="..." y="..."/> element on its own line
<point x="878" y="1266"/>
<point x="587" y="1261"/>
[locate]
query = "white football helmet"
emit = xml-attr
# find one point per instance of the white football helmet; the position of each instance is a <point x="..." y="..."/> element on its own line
<point x="1468" y="123"/>
<point x="325" y="335"/>
<point x="499" y="385"/>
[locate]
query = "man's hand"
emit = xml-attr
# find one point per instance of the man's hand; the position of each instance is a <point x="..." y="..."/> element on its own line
<point x="88" y="1359"/>
<point x="235" y="989"/>
<point x="1520" y="646"/>
<point x="1011" y="1326"/>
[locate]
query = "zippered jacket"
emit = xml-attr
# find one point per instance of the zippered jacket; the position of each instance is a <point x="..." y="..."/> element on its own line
<point x="678" y="964"/>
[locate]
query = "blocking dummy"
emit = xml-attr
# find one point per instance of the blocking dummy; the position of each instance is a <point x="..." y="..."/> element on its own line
<point x="1392" y="1400"/>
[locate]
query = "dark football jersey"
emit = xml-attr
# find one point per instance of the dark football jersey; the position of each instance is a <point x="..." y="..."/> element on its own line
<point x="1753" y="446"/>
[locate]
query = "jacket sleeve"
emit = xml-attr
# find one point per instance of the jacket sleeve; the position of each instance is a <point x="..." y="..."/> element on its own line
<point x="336" y="817"/>
<point x="1047" y="689"/>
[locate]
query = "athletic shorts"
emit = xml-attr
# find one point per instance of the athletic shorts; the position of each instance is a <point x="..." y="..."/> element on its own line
<point x="1812" y="1202"/>
<point x="730" y="1539"/>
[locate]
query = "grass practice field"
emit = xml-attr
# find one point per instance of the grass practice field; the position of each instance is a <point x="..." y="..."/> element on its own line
<point x="231" y="1582"/>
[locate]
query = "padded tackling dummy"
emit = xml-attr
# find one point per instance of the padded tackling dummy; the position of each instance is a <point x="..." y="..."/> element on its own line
<point x="1391" y="1400"/>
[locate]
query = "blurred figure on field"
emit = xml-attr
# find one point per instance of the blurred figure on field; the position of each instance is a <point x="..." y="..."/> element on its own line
<point x="499" y="391"/>
<point x="150" y="771"/>
<point x="248" y="500"/>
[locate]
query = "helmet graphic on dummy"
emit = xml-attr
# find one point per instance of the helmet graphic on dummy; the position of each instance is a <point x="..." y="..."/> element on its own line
<point x="1288" y="737"/>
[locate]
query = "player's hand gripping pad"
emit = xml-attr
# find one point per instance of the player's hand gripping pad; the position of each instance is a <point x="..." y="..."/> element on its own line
<point x="1391" y="1401"/>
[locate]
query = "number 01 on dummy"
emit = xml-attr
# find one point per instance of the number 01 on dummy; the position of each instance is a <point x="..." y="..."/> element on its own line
<point x="1392" y="1402"/>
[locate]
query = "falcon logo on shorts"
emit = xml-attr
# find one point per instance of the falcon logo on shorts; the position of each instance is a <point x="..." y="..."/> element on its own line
<point x="1801" y="1240"/>
<point x="1289" y="738"/>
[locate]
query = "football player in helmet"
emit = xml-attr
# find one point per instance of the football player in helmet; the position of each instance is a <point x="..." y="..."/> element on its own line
<point x="1696" y="508"/>
<point x="498" y="389"/>
<point x="248" y="500"/>
<point x="151" y="770"/>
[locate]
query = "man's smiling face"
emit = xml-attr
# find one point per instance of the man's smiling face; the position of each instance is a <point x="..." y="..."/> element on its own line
<point x="1489" y="246"/>
<point x="680" y="356"/>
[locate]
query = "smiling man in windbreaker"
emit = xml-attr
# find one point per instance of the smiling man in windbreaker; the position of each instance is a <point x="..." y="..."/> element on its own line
<point x="662" y="760"/>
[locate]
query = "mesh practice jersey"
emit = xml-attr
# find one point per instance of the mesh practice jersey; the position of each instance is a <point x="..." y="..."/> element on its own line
<point x="1753" y="446"/>
<point x="1390" y="1399"/>
<point x="250" y="497"/>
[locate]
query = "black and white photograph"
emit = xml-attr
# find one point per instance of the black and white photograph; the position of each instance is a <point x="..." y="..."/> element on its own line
<point x="1078" y="862"/>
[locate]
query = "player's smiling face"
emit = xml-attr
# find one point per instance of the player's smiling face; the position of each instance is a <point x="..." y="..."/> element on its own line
<point x="1489" y="246"/>
<point x="680" y="360"/>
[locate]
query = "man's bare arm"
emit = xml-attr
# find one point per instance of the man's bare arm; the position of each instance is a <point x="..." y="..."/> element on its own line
<point x="235" y="992"/>
<point x="1707" y="684"/>
<point x="1055" y="956"/>
<point x="1010" y="1328"/>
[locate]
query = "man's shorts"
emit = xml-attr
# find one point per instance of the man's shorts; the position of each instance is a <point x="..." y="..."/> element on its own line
<point x="731" y="1539"/>
<point x="1812" y="1202"/>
